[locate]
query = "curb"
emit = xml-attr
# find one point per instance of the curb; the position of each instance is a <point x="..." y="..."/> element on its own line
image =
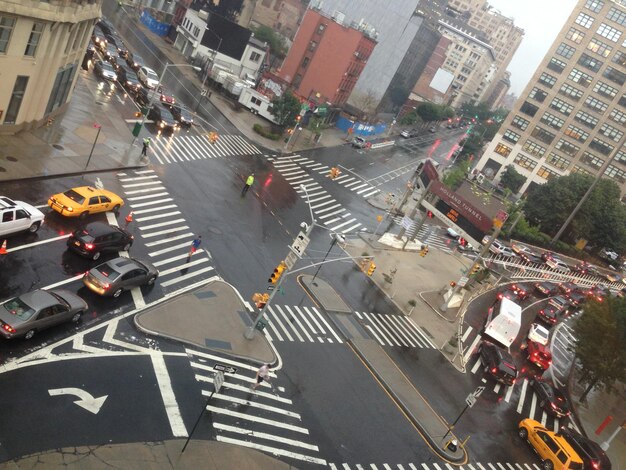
<point x="75" y="173"/>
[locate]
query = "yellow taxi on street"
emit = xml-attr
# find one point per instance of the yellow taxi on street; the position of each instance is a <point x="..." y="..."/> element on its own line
<point x="85" y="200"/>
<point x="553" y="449"/>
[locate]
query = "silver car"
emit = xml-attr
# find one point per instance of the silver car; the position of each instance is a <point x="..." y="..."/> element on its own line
<point x="119" y="274"/>
<point x="38" y="310"/>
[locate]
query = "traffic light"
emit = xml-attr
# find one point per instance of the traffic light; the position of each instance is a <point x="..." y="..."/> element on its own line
<point x="298" y="118"/>
<point x="334" y="172"/>
<point x="462" y="241"/>
<point x="371" y="268"/>
<point x="260" y="300"/>
<point x="429" y="214"/>
<point x="278" y="272"/>
<point x="137" y="114"/>
<point x="424" y="250"/>
<point x="475" y="269"/>
<point x="363" y="264"/>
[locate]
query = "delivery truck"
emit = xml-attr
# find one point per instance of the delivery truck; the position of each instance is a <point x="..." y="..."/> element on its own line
<point x="504" y="321"/>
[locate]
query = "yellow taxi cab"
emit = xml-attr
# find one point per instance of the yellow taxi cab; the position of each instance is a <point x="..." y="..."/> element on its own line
<point x="553" y="450"/>
<point x="85" y="200"/>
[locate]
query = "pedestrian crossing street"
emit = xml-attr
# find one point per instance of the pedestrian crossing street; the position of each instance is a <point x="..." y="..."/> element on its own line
<point x="309" y="325"/>
<point x="428" y="235"/>
<point x="437" y="466"/>
<point x="264" y="419"/>
<point x="159" y="222"/>
<point x="185" y="148"/>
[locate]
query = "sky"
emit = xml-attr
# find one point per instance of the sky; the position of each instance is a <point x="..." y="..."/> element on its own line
<point x="541" y="21"/>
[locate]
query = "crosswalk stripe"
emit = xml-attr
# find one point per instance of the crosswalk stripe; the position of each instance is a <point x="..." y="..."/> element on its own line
<point x="338" y="211"/>
<point x="155" y="209"/>
<point x="393" y="319"/>
<point x="276" y="332"/>
<point x="186" y="276"/>
<point x="176" y="258"/>
<point x="244" y="388"/>
<point x="373" y="333"/>
<point x="373" y="324"/>
<point x="148" y="196"/>
<point x="151" y="203"/>
<point x="272" y="450"/>
<point x="161" y="224"/>
<point x="323" y="320"/>
<point x="297" y="320"/>
<point x="275" y="317"/>
<point x="178" y="268"/>
<point x="337" y="227"/>
<point x="163" y="232"/>
<point x="170" y="248"/>
<point x="264" y="435"/>
<point x="321" y="198"/>
<point x="252" y="404"/>
<point x="304" y="317"/>
<point x="367" y="192"/>
<point x="412" y="331"/>
<point x="138" y="178"/>
<point x="139" y="185"/>
<point x="364" y="185"/>
<point x="321" y="211"/>
<point x="287" y="321"/>
<point x="349" y="229"/>
<point x="223" y="360"/>
<point x="322" y="204"/>
<point x="385" y="325"/>
<point x="145" y="190"/>
<point x="256" y="419"/>
<point x="158" y="216"/>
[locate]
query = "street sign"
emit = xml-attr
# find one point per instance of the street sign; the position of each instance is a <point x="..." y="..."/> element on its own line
<point x="406" y="222"/>
<point x="218" y="381"/>
<point x="290" y="260"/>
<point x="260" y="325"/>
<point x="223" y="368"/>
<point x="270" y="287"/>
<point x="470" y="400"/>
<point x="299" y="244"/>
<point x="463" y="281"/>
<point x="478" y="391"/>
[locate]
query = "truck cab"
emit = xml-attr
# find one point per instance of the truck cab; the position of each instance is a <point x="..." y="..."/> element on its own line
<point x="504" y="320"/>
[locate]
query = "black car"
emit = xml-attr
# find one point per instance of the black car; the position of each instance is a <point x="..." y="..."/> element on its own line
<point x="182" y="115"/>
<point x="128" y="78"/>
<point x="135" y="61"/>
<point x="546" y="288"/>
<point x="95" y="238"/>
<point x="498" y="363"/>
<point x="105" y="71"/>
<point x="521" y="291"/>
<point x="557" y="307"/>
<point x="567" y="287"/>
<point x="162" y="117"/>
<point x="99" y="39"/>
<point x="105" y="25"/>
<point x="594" y="458"/>
<point x="110" y="54"/>
<point x="530" y="257"/>
<point x="551" y="399"/>
<point x="576" y="298"/>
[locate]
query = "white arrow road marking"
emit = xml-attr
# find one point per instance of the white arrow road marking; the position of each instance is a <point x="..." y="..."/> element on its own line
<point x="86" y="400"/>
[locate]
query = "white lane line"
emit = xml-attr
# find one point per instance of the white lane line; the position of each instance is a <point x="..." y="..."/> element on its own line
<point x="29" y="245"/>
<point x="470" y="350"/>
<point x="323" y="320"/>
<point x="163" y="232"/>
<point x="66" y="281"/>
<point x="149" y="196"/>
<point x="180" y="267"/>
<point x="271" y="450"/>
<point x="186" y="276"/>
<point x="256" y="419"/>
<point x="509" y="392"/>
<point x="253" y="404"/>
<point x="176" y="258"/>
<point x="264" y="435"/>
<point x="158" y="216"/>
<point x="163" y="224"/>
<point x="476" y="366"/>
<point x="153" y="202"/>
<point x="466" y="334"/>
<point x="167" y="393"/>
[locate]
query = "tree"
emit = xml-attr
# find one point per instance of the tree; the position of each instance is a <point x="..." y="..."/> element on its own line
<point x="512" y="179"/>
<point x="276" y="42"/>
<point x="431" y="112"/>
<point x="365" y="101"/>
<point x="601" y="344"/>
<point x="456" y="175"/>
<point x="285" y="109"/>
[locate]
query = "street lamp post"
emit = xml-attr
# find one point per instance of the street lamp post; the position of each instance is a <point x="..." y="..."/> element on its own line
<point x="99" y="127"/>
<point x="393" y="123"/>
<point x="219" y="44"/>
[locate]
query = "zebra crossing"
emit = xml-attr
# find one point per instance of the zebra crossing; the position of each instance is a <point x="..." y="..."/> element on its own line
<point x="394" y="330"/>
<point x="164" y="230"/>
<point x="427" y="234"/>
<point x="185" y="148"/>
<point x="353" y="183"/>
<point x="264" y="419"/>
<point x="436" y="466"/>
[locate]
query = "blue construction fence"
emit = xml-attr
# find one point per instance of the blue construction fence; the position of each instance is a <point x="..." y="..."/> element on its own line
<point x="360" y="128"/>
<point x="153" y="25"/>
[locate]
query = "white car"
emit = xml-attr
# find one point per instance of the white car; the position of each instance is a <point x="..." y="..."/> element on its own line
<point x="538" y="334"/>
<point x="18" y="216"/>
<point x="148" y="77"/>
<point x="558" y="265"/>
<point x="452" y="234"/>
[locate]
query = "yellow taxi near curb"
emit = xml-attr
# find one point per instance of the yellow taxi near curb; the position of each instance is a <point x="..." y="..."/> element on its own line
<point x="85" y="200"/>
<point x="553" y="450"/>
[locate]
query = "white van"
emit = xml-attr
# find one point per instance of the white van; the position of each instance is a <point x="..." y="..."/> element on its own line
<point x="505" y="325"/>
<point x="18" y="216"/>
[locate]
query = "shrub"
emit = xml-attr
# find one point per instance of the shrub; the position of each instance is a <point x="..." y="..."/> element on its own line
<point x="259" y="129"/>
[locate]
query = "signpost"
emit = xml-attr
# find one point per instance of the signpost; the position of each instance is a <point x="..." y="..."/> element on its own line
<point x="299" y="244"/>
<point x="470" y="401"/>
<point x="223" y="368"/>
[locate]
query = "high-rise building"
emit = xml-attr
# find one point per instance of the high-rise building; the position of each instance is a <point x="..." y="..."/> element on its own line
<point x="41" y="48"/>
<point x="571" y="116"/>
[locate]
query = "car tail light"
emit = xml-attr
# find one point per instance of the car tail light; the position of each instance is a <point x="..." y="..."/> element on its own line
<point x="500" y="296"/>
<point x="494" y="370"/>
<point x="595" y="464"/>
<point x="8" y="328"/>
<point x="106" y="286"/>
<point x="553" y="406"/>
<point x="89" y="246"/>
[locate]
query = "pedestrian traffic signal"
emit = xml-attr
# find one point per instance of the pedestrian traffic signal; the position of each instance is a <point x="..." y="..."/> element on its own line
<point x="334" y="172"/>
<point x="429" y="214"/>
<point x="424" y="250"/>
<point x="462" y="241"/>
<point x="278" y="272"/>
<point x="475" y="269"/>
<point x="260" y="300"/>
<point x="371" y="268"/>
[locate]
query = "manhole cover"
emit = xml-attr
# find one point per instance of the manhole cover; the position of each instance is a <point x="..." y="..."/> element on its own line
<point x="11" y="159"/>
<point x="2" y="170"/>
<point x="215" y="231"/>
<point x="58" y="147"/>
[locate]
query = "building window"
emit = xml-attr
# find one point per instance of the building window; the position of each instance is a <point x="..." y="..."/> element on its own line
<point x="580" y="170"/>
<point x="297" y="80"/>
<point x="584" y="20"/>
<point x="580" y="77"/>
<point x="615" y="76"/>
<point x="619" y="16"/>
<point x="596" y="104"/>
<point x="620" y="157"/>
<point x="601" y="146"/>
<point x="545" y="173"/>
<point x="61" y="87"/>
<point x="603" y="89"/>
<point x="511" y="136"/>
<point x="618" y="116"/>
<point x="609" y="32"/>
<point x="565" y="50"/>
<point x="312" y="45"/>
<point x="16" y="99"/>
<point x="255" y="101"/>
<point x="589" y="62"/>
<point x="503" y="150"/>
<point x="615" y="173"/>
<point x="528" y="109"/>
<point x="586" y="119"/>
<point x="556" y="65"/>
<point x="619" y="58"/>
<point x="547" y="80"/>
<point x="561" y="106"/>
<point x="599" y="47"/>
<point x="538" y="94"/>
<point x="611" y="132"/>
<point x="525" y="162"/>
<point x="543" y="135"/>
<point x="305" y="62"/>
<point x="534" y="149"/>
<point x="6" y="28"/>
<point x="557" y="161"/>
<point x="568" y="90"/>
<point x="567" y="147"/>
<point x="321" y="28"/>
<point x="552" y="121"/>
<point x="591" y="160"/>
<point x="576" y="133"/>
<point x="33" y="40"/>
<point x="519" y="122"/>
<point x="255" y="56"/>
<point x="594" y="5"/>
<point x="575" y="35"/>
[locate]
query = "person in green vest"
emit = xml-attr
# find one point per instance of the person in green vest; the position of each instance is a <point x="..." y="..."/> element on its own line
<point x="249" y="182"/>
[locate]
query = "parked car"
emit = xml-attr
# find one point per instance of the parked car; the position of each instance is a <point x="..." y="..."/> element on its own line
<point x="552" y="448"/>
<point x="409" y="133"/>
<point x="134" y="61"/>
<point x="594" y="458"/>
<point x="360" y="143"/>
<point x="128" y="78"/>
<point x="110" y="279"/>
<point x="550" y="398"/>
<point x="105" y="71"/>
<point x="96" y="238"/>
<point x="498" y="363"/>
<point x="539" y="355"/>
<point x="182" y="115"/>
<point x="84" y="200"/>
<point x="34" y="311"/>
<point x="162" y="117"/>
<point x="18" y="216"/>
<point x="546" y="288"/>
<point x="539" y="334"/>
<point x="148" y="77"/>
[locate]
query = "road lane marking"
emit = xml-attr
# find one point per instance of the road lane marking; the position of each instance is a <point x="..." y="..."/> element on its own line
<point x="264" y="435"/>
<point x="256" y="419"/>
<point x="272" y="450"/>
<point x="187" y="276"/>
<point x="41" y="242"/>
<point x="167" y="394"/>
<point x="253" y="404"/>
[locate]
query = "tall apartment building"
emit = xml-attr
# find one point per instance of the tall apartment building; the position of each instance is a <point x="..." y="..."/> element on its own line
<point x="41" y="47"/>
<point x="571" y="116"/>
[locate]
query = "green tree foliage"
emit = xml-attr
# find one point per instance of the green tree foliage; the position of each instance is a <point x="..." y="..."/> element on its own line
<point x="276" y="42"/>
<point x="434" y="112"/>
<point x="410" y="119"/>
<point x="285" y="109"/>
<point x="456" y="175"/>
<point x="601" y="344"/>
<point x="601" y="220"/>
<point x="512" y="179"/>
<point x="480" y="111"/>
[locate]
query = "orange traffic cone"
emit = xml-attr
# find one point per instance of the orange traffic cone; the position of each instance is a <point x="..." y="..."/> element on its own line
<point x="129" y="218"/>
<point x="3" y="248"/>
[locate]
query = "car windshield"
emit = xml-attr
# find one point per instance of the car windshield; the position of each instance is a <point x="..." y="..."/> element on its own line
<point x="74" y="196"/>
<point x="542" y="333"/>
<point x="151" y="74"/>
<point x="60" y="299"/>
<point x="18" y="308"/>
<point x="108" y="272"/>
<point x="85" y="236"/>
